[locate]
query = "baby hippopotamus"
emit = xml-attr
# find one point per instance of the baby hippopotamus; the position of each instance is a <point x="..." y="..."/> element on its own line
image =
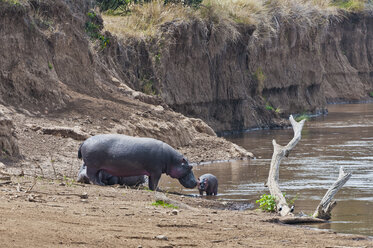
<point x="108" y="179"/>
<point x="208" y="183"/>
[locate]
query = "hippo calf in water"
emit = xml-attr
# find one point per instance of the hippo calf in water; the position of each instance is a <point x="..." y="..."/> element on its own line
<point x="124" y="156"/>
<point x="208" y="183"/>
<point x="108" y="179"/>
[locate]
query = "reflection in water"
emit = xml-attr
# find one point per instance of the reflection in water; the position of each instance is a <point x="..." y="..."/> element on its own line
<point x="343" y="138"/>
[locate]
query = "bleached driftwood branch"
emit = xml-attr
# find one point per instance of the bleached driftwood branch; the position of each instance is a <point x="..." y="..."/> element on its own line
<point x="279" y="152"/>
<point x="323" y="210"/>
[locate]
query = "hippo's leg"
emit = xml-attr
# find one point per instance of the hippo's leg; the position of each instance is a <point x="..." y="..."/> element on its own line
<point x="201" y="192"/>
<point x="94" y="177"/>
<point x="216" y="190"/>
<point x="153" y="181"/>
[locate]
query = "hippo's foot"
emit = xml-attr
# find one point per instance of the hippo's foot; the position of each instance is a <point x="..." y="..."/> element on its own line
<point x="94" y="176"/>
<point x="97" y="182"/>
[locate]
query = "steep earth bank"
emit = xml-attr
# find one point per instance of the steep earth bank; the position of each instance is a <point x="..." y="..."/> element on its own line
<point x="233" y="78"/>
<point x="56" y="90"/>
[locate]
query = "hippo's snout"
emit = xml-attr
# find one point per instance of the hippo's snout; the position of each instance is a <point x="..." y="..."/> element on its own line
<point x="188" y="181"/>
<point x="202" y="185"/>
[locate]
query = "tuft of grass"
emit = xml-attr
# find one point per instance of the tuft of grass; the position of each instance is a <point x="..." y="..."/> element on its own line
<point x="371" y="94"/>
<point x="68" y="181"/>
<point x="291" y="201"/>
<point x="50" y="66"/>
<point x="144" y="20"/>
<point x="164" y="204"/>
<point x="148" y="87"/>
<point x="269" y="107"/>
<point x="260" y="78"/>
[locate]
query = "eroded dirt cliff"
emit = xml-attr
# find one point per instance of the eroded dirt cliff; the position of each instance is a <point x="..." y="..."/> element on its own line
<point x="226" y="74"/>
<point x="57" y="89"/>
<point x="234" y="79"/>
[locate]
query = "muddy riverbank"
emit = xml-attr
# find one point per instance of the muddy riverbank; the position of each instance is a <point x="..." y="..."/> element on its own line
<point x="50" y="213"/>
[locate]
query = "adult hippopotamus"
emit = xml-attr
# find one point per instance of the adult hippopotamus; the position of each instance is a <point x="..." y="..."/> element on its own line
<point x="108" y="179"/>
<point x="123" y="156"/>
<point x="208" y="183"/>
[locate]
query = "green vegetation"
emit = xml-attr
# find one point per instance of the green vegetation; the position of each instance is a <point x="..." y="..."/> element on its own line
<point x="302" y="117"/>
<point x="112" y="4"/>
<point x="269" y="107"/>
<point x="267" y="203"/>
<point x="260" y="78"/>
<point x="259" y="75"/>
<point x="371" y="94"/>
<point x="350" y="5"/>
<point x="157" y="58"/>
<point x="12" y="2"/>
<point x="146" y="188"/>
<point x="163" y="204"/>
<point x="68" y="181"/>
<point x="93" y="28"/>
<point x="148" y="87"/>
<point x="50" y="66"/>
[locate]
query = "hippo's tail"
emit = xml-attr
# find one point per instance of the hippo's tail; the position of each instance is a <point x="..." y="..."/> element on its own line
<point x="80" y="151"/>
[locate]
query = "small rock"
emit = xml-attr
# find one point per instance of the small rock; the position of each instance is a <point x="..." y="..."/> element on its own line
<point x="139" y="246"/>
<point x="175" y="212"/>
<point x="161" y="237"/>
<point x="31" y="198"/>
<point x="84" y="195"/>
<point x="209" y="221"/>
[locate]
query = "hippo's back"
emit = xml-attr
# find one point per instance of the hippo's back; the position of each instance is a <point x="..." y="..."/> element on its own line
<point x="115" y="149"/>
<point x="210" y="177"/>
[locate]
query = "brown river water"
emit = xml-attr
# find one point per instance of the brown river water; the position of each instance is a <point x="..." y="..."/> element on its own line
<point x="342" y="138"/>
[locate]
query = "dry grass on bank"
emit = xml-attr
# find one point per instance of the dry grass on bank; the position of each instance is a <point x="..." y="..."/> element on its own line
<point x="144" y="20"/>
<point x="267" y="15"/>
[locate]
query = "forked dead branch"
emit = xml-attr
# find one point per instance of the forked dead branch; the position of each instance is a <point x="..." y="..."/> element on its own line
<point x="323" y="211"/>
